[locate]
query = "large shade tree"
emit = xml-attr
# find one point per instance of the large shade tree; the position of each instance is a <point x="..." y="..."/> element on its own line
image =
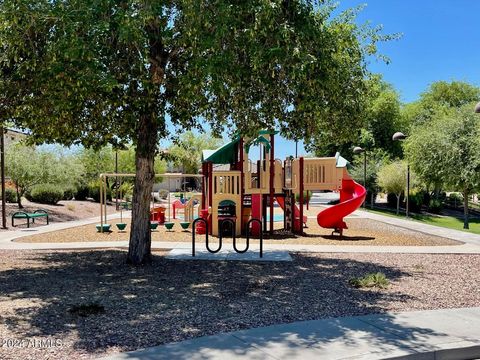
<point x="438" y="99"/>
<point x="382" y="117"/>
<point x="126" y="71"/>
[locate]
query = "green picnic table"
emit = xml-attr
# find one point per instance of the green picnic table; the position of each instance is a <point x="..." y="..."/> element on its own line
<point x="24" y="215"/>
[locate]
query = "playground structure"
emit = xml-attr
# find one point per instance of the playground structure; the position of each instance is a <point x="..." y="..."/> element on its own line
<point x="236" y="190"/>
<point x="247" y="189"/>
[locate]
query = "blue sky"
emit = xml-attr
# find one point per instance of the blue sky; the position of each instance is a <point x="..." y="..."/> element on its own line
<point x="441" y="41"/>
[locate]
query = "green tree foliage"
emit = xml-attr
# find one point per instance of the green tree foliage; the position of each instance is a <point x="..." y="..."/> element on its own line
<point x="115" y="72"/>
<point x="439" y="98"/>
<point x="446" y="150"/>
<point x="392" y="178"/>
<point x="375" y="160"/>
<point x="98" y="161"/>
<point x="28" y="166"/>
<point x="381" y="118"/>
<point x="186" y="153"/>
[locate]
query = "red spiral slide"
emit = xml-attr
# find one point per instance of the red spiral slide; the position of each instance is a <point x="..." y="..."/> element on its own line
<point x="352" y="196"/>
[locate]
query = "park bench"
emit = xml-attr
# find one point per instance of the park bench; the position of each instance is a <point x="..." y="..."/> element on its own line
<point x="23" y="215"/>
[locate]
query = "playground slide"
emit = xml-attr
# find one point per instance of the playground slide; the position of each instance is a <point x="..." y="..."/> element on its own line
<point x="296" y="214"/>
<point x="352" y="196"/>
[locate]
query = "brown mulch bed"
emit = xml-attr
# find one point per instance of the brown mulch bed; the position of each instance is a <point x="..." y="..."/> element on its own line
<point x="360" y="232"/>
<point x="41" y="294"/>
<point x="65" y="210"/>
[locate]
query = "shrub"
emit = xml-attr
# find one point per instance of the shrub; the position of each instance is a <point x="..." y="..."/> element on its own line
<point x="81" y="193"/>
<point x="69" y="192"/>
<point x="418" y="198"/>
<point x="369" y="197"/>
<point x="392" y="200"/>
<point x="45" y="194"/>
<point x="10" y="195"/>
<point x="94" y="191"/>
<point x="126" y="189"/>
<point x="306" y="196"/>
<point x="455" y="199"/>
<point x="378" y="280"/>
<point x="435" y="206"/>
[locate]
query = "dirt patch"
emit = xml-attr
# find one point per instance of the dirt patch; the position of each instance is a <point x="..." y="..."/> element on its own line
<point x="126" y="308"/>
<point x="360" y="232"/>
<point x="66" y="210"/>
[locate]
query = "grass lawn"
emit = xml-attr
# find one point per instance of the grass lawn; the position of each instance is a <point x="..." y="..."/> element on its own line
<point x="449" y="222"/>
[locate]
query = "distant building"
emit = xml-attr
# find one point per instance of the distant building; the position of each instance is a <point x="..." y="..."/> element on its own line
<point x="175" y="183"/>
<point x="12" y="136"/>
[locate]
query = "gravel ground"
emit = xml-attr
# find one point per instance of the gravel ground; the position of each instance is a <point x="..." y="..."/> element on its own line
<point x="175" y="300"/>
<point x="360" y="232"/>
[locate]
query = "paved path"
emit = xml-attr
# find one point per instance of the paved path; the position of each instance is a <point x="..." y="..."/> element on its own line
<point x="471" y="241"/>
<point x="433" y="334"/>
<point x="466" y="237"/>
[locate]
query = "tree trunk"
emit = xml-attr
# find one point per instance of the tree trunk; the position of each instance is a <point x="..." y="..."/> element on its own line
<point x="139" y="250"/>
<point x="398" y="204"/>
<point x="465" y="209"/>
<point x="19" y="197"/>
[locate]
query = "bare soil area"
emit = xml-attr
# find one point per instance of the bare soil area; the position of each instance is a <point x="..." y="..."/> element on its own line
<point x="65" y="210"/>
<point x="84" y="304"/>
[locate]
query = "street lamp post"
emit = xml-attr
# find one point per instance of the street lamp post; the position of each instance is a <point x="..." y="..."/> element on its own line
<point x="398" y="136"/>
<point x="477" y="108"/>
<point x="359" y="150"/>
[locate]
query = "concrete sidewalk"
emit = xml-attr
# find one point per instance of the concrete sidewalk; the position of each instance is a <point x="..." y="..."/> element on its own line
<point x="433" y="334"/>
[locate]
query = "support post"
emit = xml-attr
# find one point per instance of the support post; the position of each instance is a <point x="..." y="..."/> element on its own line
<point x="116" y="180"/>
<point x="272" y="175"/>
<point x="2" y="169"/>
<point x="301" y="196"/>
<point x="407" y="208"/>
<point x="365" y="176"/>
<point x="105" y="197"/>
<point x="242" y="184"/>
<point x="101" y="203"/>
<point x="204" y="173"/>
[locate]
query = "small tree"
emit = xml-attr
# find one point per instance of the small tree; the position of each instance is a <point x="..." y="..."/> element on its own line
<point x="186" y="152"/>
<point x="392" y="178"/>
<point x="24" y="169"/>
<point x="447" y="150"/>
<point x="28" y="166"/>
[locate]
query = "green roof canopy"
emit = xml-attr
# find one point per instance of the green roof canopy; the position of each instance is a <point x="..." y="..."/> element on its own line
<point x="342" y="162"/>
<point x="225" y="154"/>
<point x="259" y="140"/>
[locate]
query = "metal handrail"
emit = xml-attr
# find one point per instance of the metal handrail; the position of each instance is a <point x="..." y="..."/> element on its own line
<point x="193" y="232"/>
<point x="261" y="234"/>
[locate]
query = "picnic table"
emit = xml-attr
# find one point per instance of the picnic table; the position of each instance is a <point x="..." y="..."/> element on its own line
<point x="24" y="215"/>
